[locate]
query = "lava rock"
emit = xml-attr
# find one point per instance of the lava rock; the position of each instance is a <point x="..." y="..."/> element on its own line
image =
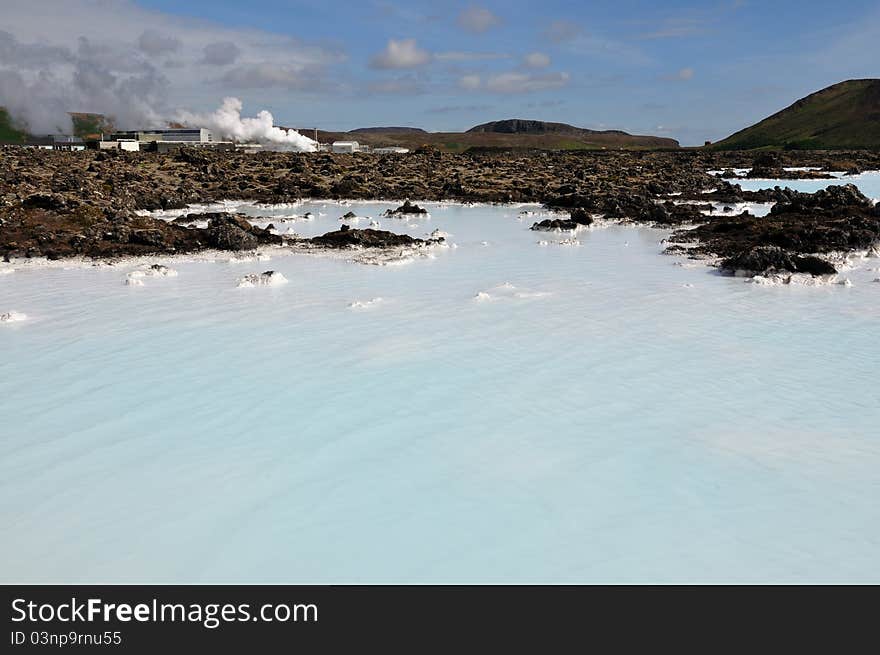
<point x="368" y="238"/>
<point x="773" y="259"/>
<point x="550" y="224"/>
<point x="407" y="208"/>
<point x="581" y="216"/>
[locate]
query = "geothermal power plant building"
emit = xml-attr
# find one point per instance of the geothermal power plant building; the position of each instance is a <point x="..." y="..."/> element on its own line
<point x="164" y="140"/>
<point x="176" y="135"/>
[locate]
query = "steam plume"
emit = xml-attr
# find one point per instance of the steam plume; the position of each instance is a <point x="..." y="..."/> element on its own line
<point x="227" y="123"/>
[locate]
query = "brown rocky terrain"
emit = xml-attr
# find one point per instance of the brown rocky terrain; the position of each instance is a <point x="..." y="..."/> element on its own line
<point x="60" y="204"/>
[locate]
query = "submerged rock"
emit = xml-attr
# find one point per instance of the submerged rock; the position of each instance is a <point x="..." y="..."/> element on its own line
<point x="406" y="209"/>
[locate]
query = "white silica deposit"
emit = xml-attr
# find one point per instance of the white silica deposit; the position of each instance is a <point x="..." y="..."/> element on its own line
<point x="12" y="317"/>
<point x="136" y="277"/>
<point x="265" y="279"/>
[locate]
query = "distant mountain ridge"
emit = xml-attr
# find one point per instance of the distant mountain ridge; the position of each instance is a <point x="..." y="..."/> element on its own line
<point x="388" y="130"/>
<point x="841" y="116"/>
<point x="528" y="126"/>
<point x="511" y="133"/>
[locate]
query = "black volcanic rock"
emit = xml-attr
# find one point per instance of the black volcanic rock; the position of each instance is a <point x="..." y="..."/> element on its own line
<point x="773" y="259"/>
<point x="53" y="201"/>
<point x="407" y="208"/>
<point x="232" y="232"/>
<point x="581" y="216"/>
<point x="550" y="224"/>
<point x="65" y="204"/>
<point x="837" y="219"/>
<point x="368" y="238"/>
<point x="578" y="217"/>
<point x="829" y="200"/>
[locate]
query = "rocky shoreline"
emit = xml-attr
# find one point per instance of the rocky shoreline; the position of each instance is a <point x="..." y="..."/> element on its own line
<point x="60" y="205"/>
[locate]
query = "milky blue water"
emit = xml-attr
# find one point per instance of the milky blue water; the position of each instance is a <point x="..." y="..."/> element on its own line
<point x="603" y="415"/>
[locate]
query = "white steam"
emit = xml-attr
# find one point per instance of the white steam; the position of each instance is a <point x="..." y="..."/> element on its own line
<point x="227" y="124"/>
<point x="40" y="84"/>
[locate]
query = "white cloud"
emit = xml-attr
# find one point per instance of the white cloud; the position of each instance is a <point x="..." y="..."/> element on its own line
<point x="469" y="82"/>
<point x="536" y="60"/>
<point x="525" y="82"/>
<point x="401" y="54"/>
<point x="477" y="20"/>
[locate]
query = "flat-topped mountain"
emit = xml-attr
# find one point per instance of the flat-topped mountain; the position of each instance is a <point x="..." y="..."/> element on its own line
<point x="845" y="115"/>
<point x="388" y="130"/>
<point x="526" y="126"/>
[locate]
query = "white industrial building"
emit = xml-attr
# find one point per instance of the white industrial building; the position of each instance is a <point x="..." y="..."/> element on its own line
<point x="130" y="145"/>
<point x="391" y="150"/>
<point x="66" y="142"/>
<point x="345" y="147"/>
<point x="169" y="135"/>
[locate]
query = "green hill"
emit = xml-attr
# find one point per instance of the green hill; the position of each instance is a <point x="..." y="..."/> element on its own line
<point x="8" y="132"/>
<point x="845" y="115"/>
<point x="85" y="126"/>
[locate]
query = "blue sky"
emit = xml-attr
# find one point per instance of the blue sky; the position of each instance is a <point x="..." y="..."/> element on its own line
<point x="690" y="70"/>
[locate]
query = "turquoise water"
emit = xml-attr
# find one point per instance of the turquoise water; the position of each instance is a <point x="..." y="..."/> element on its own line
<point x="604" y="415"/>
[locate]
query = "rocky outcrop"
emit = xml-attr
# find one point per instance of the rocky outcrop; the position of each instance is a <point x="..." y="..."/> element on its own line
<point x="763" y="260"/>
<point x="231" y="232"/>
<point x="368" y="238"/>
<point x="833" y="200"/>
<point x="88" y="232"/>
<point x="800" y="225"/>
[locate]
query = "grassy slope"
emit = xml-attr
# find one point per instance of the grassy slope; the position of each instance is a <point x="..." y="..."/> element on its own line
<point x="845" y="115"/>
<point x="90" y="126"/>
<point x="7" y="131"/>
<point x="86" y="126"/>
